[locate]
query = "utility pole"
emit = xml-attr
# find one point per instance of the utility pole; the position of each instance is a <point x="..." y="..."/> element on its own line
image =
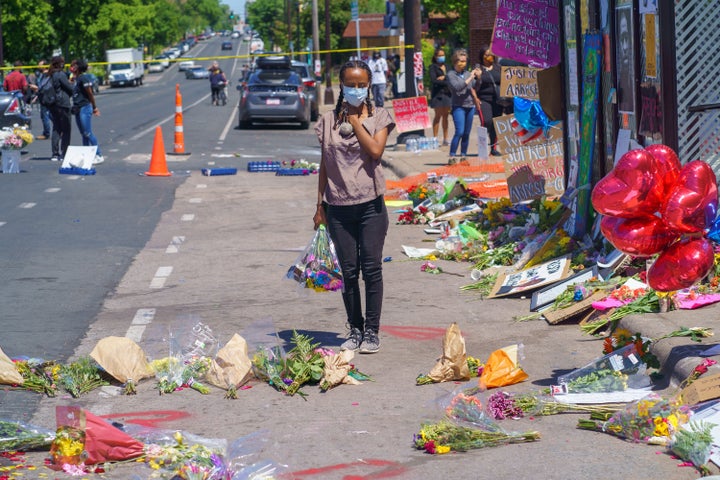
<point x="316" y="34"/>
<point x="329" y="95"/>
<point x="413" y="32"/>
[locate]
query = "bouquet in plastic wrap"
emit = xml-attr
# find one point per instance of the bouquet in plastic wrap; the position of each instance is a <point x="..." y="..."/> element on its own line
<point x="21" y="436"/>
<point x="620" y="371"/>
<point x="318" y="267"/>
<point x="652" y="419"/>
<point x="465" y="426"/>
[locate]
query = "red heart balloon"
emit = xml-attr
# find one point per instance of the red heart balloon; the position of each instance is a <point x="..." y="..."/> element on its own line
<point x="632" y="189"/>
<point x="691" y="203"/>
<point x="681" y="265"/>
<point x="641" y="236"/>
<point x="667" y="163"/>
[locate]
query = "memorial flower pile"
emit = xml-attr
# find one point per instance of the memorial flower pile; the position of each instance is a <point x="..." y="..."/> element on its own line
<point x="446" y="436"/>
<point x="15" y="138"/>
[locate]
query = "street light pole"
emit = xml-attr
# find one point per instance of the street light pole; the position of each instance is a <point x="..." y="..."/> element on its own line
<point x="316" y="32"/>
<point x="413" y="33"/>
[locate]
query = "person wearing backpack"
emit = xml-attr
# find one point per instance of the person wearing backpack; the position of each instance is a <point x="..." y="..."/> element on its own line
<point x="42" y="79"/>
<point x="60" y="108"/>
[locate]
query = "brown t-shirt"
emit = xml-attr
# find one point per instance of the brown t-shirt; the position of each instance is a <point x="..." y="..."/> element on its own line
<point x="353" y="177"/>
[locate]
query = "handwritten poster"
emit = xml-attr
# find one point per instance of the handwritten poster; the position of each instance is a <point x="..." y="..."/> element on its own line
<point x="519" y="82"/>
<point x="528" y="31"/>
<point x="411" y="114"/>
<point x="526" y="164"/>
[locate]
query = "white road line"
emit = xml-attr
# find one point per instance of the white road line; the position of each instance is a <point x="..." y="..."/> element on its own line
<point x="27" y="205"/>
<point x="201" y="185"/>
<point x="2" y="223"/>
<point x="52" y="190"/>
<point x="161" y="276"/>
<point x="173" y="247"/>
<point x="141" y="134"/>
<point x="195" y="200"/>
<point x="143" y="317"/>
<point x="188" y="217"/>
<point x="135" y="332"/>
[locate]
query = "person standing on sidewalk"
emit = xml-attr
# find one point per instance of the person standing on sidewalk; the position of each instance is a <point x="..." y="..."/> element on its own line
<point x="60" y="110"/>
<point x="487" y="94"/>
<point x="440" y="98"/>
<point x="379" y="68"/>
<point x="351" y="185"/>
<point x="42" y="77"/>
<point x="84" y="107"/>
<point x="461" y="83"/>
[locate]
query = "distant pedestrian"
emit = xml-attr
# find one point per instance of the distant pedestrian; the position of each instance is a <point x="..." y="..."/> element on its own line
<point x="487" y="93"/>
<point x="461" y="83"/>
<point x="60" y="110"/>
<point x="84" y="106"/>
<point x="350" y="199"/>
<point x="217" y="84"/>
<point x="440" y="96"/>
<point x="379" y="68"/>
<point x="15" y="80"/>
<point x="42" y="77"/>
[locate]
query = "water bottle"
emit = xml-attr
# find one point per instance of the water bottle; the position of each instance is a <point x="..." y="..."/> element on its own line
<point x="435" y="144"/>
<point x="423" y="143"/>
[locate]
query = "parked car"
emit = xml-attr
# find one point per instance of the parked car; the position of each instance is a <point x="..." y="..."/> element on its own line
<point x="274" y="93"/>
<point x="303" y="69"/>
<point x="173" y="53"/>
<point x="235" y="34"/>
<point x="163" y="59"/>
<point x="95" y="83"/>
<point x="185" y="64"/>
<point x="13" y="110"/>
<point x="196" y="72"/>
<point x="226" y="46"/>
<point x="155" y="67"/>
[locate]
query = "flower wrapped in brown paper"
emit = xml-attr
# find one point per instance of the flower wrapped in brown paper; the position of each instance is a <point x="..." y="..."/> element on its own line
<point x="123" y="359"/>
<point x="453" y="364"/>
<point x="231" y="367"/>
<point x="9" y="374"/>
<point x="337" y="370"/>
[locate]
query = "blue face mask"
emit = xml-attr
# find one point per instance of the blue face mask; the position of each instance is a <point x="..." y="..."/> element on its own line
<point x="354" y="96"/>
<point x="441" y="59"/>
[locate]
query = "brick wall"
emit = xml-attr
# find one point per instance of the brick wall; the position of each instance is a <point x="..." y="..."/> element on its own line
<point x="481" y="20"/>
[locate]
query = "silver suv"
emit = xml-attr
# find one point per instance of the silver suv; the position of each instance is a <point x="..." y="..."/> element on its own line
<point x="303" y="69"/>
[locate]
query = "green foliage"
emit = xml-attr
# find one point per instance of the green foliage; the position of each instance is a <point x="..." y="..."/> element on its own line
<point x="34" y="29"/>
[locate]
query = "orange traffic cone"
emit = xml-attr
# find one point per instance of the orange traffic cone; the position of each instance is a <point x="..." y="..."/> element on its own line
<point x="179" y="146"/>
<point x="158" y="162"/>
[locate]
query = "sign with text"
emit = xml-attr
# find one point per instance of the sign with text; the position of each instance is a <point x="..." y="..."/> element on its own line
<point x="527" y="31"/>
<point x="411" y="114"/>
<point x="524" y="163"/>
<point x="519" y="82"/>
<point x="531" y="278"/>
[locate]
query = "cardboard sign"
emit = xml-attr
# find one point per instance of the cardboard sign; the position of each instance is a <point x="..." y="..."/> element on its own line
<point x="554" y="317"/>
<point x="79" y="157"/>
<point x="527" y="31"/>
<point x="705" y="388"/>
<point x="519" y="82"/>
<point x="411" y="114"/>
<point x="544" y="157"/>
<point x="531" y="278"/>
<point x="547" y="295"/>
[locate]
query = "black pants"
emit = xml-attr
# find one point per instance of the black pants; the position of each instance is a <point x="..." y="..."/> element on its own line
<point x="489" y="111"/>
<point x="358" y="232"/>
<point x="62" y="127"/>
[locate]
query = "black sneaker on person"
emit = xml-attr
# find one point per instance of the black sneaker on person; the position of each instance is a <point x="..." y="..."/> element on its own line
<point x="370" y="343"/>
<point x="354" y="339"/>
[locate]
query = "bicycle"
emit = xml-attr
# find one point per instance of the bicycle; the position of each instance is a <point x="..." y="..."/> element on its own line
<point x="222" y="94"/>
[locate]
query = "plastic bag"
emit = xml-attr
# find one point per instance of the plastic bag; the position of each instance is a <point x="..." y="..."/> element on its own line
<point x="247" y="459"/>
<point x="20" y="436"/>
<point x="318" y="266"/>
<point x="503" y="368"/>
<point x="616" y="371"/>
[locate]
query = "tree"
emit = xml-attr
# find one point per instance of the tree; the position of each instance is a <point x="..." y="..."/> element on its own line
<point x="458" y="31"/>
<point x="25" y="23"/>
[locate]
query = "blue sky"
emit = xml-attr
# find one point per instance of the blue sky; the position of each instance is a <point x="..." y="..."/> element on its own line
<point x="237" y="6"/>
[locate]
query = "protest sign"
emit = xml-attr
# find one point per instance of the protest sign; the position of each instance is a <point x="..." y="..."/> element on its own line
<point x="543" y="157"/>
<point x="411" y="114"/>
<point x="527" y="31"/>
<point x="519" y="82"/>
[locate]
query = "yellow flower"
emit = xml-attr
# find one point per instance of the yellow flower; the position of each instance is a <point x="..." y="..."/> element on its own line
<point x="661" y="428"/>
<point x="440" y="449"/>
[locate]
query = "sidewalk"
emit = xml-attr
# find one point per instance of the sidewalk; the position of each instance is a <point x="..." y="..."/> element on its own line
<point x="677" y="356"/>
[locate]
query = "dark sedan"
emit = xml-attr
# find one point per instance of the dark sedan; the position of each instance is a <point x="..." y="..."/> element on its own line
<point x="13" y="110"/>
<point x="274" y="93"/>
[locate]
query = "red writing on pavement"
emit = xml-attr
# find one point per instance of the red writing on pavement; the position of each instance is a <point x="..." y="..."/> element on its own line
<point x="413" y="333"/>
<point x="148" y="419"/>
<point x="376" y="469"/>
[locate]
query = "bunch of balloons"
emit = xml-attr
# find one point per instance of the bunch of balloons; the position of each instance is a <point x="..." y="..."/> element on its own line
<point x="653" y="205"/>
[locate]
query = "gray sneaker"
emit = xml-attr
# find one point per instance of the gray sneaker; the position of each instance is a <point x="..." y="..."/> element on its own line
<point x="370" y="343"/>
<point x="354" y="339"/>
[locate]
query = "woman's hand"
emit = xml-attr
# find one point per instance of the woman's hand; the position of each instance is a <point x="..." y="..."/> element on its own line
<point x="319" y="217"/>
